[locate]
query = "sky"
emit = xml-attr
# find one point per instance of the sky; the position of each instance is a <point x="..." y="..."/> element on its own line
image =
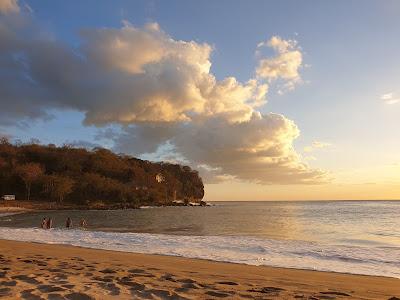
<point x="269" y="100"/>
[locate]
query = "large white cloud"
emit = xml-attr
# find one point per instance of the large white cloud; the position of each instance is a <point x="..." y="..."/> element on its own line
<point x="259" y="149"/>
<point x="161" y="91"/>
<point x="123" y="75"/>
<point x="9" y="6"/>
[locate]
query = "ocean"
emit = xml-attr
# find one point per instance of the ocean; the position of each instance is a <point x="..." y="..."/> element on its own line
<point x="360" y="237"/>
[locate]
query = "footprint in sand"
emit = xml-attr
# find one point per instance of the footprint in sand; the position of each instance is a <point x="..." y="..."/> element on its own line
<point x="168" y="277"/>
<point x="104" y="279"/>
<point x="137" y="271"/>
<point x="207" y="286"/>
<point x="163" y="294"/>
<point x="227" y="283"/>
<point x="134" y="286"/>
<point x="141" y="294"/>
<point x="55" y="297"/>
<point x="45" y="288"/>
<point x="268" y="290"/>
<point x="8" y="283"/>
<point x="186" y="280"/>
<point x="68" y="286"/>
<point x="108" y="271"/>
<point x="5" y="292"/>
<point x="26" y="279"/>
<point x="334" y="293"/>
<point x="78" y="296"/>
<point x="110" y="287"/>
<point x="27" y="295"/>
<point x="189" y="286"/>
<point x="217" y="294"/>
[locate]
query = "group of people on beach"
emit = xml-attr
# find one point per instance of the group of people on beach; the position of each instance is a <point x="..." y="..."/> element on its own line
<point x="47" y="223"/>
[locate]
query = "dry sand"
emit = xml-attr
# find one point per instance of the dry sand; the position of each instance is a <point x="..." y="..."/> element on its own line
<point x="39" y="271"/>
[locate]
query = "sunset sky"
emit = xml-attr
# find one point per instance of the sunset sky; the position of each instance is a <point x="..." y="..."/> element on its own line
<point x="269" y="100"/>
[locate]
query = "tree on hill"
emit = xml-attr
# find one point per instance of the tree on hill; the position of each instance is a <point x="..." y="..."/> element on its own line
<point x="58" y="186"/>
<point x="87" y="177"/>
<point x="29" y="173"/>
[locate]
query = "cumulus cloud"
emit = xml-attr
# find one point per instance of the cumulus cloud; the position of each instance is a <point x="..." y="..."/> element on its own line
<point x="316" y="145"/>
<point x="124" y="75"/>
<point x="259" y="149"/>
<point x="160" y="91"/>
<point x="9" y="6"/>
<point x="284" y="65"/>
<point x="390" y="98"/>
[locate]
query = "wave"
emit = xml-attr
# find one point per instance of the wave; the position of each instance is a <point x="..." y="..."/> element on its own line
<point x="379" y="261"/>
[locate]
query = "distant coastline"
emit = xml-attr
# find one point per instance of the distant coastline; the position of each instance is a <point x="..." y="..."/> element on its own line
<point x="20" y="206"/>
<point x="51" y="177"/>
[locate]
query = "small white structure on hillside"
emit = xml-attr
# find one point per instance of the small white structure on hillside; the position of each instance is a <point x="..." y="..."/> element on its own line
<point x="8" y="197"/>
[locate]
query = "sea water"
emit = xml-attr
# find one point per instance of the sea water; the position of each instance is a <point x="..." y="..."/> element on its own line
<point x="361" y="237"/>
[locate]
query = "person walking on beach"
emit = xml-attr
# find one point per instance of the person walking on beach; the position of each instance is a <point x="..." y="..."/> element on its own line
<point x="44" y="222"/>
<point x="68" y="223"/>
<point x="49" y="223"/>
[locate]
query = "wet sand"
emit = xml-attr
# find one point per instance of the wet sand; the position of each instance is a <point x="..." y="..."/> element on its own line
<point x="10" y="209"/>
<point x="40" y="271"/>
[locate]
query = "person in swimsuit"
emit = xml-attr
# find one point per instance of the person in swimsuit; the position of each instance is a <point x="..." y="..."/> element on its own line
<point x="82" y="223"/>
<point x="44" y="222"/>
<point x="68" y="223"/>
<point x="49" y="223"/>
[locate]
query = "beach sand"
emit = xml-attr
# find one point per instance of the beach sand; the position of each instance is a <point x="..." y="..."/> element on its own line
<point x="41" y="271"/>
<point x="11" y="209"/>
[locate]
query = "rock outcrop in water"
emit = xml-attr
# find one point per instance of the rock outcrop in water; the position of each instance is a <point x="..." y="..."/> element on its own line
<point x="94" y="179"/>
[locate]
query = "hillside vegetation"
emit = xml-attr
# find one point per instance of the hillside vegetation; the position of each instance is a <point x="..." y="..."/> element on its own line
<point x="96" y="178"/>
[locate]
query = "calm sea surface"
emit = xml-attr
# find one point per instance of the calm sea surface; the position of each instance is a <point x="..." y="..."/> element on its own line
<point x="345" y="236"/>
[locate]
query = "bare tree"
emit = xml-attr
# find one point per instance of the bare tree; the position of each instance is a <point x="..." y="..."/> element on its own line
<point x="29" y="173"/>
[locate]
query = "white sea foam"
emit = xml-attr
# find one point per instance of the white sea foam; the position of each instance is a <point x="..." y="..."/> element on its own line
<point x="381" y="261"/>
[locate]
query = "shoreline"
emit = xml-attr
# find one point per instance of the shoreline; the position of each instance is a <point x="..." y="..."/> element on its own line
<point x="200" y="259"/>
<point x="9" y="210"/>
<point x="48" y="205"/>
<point x="95" y="272"/>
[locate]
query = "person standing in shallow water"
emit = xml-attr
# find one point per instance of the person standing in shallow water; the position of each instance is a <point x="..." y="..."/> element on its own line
<point x="82" y="223"/>
<point x="44" y="223"/>
<point x="49" y="223"/>
<point x="68" y="223"/>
